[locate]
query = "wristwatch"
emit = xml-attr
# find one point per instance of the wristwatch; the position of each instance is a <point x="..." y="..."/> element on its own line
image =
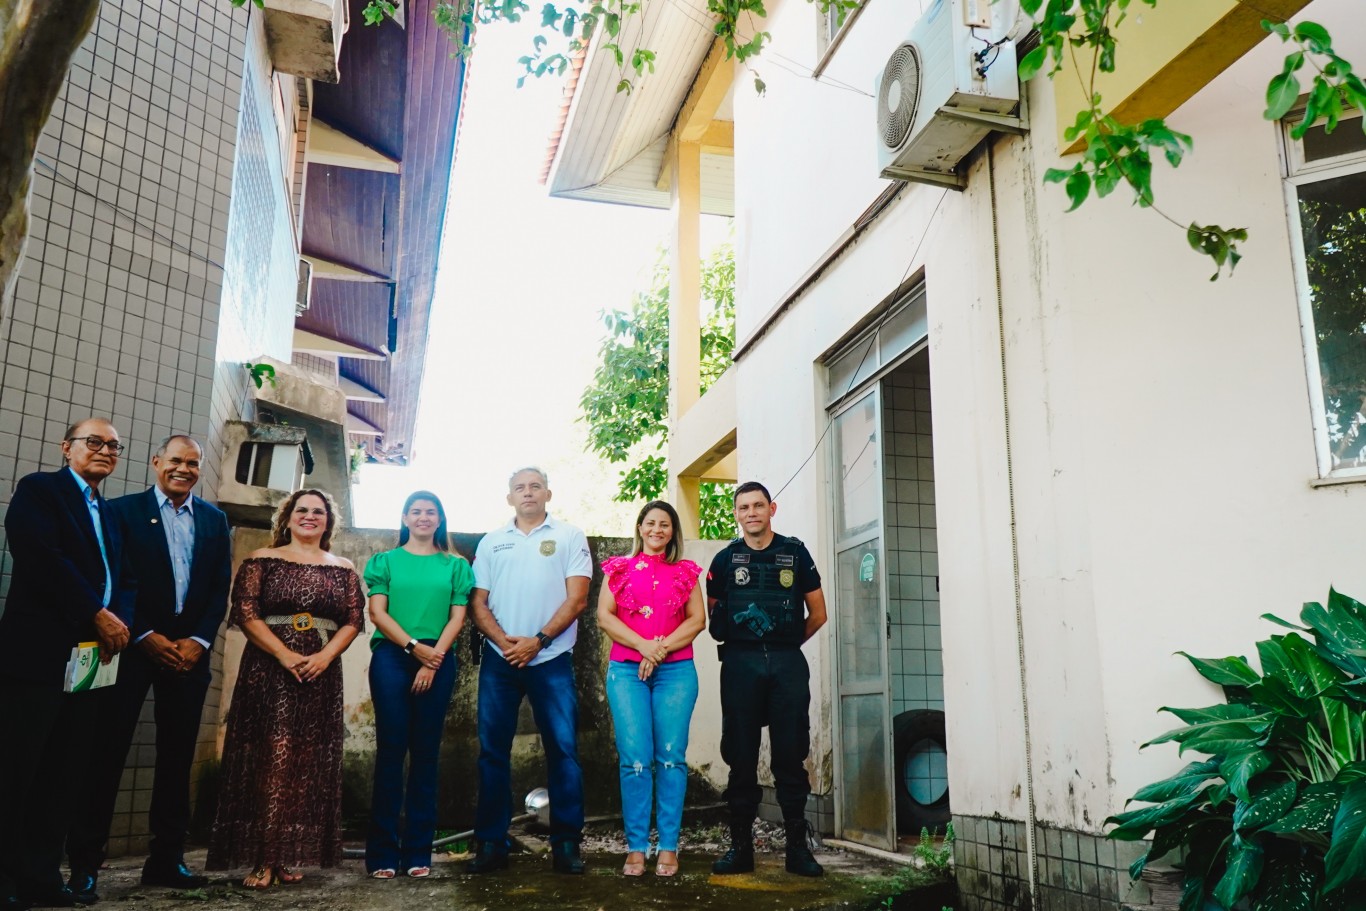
<point x="412" y="644"/>
<point x="544" y="639"/>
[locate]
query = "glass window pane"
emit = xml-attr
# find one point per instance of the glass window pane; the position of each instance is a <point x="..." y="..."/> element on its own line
<point x="852" y="367"/>
<point x="858" y="460"/>
<point x="863" y="751"/>
<point x="1333" y="222"/>
<point x="1346" y="139"/>
<point x="862" y="618"/>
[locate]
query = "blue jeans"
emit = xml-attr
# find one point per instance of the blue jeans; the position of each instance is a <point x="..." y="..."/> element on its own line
<point x="410" y="725"/>
<point x="555" y="706"/>
<point x="651" y="718"/>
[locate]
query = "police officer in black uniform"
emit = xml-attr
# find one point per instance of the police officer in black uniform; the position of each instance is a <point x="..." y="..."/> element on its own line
<point x="765" y="600"/>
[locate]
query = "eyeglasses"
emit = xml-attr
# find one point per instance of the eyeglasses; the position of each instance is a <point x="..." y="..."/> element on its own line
<point x="95" y="444"/>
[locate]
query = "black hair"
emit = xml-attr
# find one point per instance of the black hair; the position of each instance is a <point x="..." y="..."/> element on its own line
<point x="673" y="551"/>
<point x="750" y="487"/>
<point x="442" y="539"/>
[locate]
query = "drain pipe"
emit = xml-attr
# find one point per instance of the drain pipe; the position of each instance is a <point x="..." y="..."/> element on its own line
<point x="1031" y="845"/>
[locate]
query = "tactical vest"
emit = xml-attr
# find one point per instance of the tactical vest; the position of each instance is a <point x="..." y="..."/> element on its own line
<point x="762" y="602"/>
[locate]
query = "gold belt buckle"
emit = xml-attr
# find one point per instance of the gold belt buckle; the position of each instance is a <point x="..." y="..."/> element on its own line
<point x="302" y="622"/>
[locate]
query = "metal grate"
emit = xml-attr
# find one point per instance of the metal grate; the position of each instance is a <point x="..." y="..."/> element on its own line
<point x="899" y="95"/>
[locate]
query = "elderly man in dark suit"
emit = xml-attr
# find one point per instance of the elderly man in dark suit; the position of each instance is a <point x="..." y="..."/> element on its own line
<point x="179" y="550"/>
<point x="67" y="587"/>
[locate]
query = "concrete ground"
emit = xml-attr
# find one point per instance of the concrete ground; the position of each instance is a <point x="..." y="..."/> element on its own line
<point x="852" y="882"/>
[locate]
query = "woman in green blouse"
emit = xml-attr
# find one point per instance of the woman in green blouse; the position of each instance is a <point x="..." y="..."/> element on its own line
<point x="418" y="593"/>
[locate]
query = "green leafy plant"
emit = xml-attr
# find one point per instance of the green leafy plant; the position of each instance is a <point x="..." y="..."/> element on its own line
<point x="260" y="374"/>
<point x="1117" y="153"/>
<point x="935" y="858"/>
<point x="627" y="405"/>
<point x="1277" y="812"/>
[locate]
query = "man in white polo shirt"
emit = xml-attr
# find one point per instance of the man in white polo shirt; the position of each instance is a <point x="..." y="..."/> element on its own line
<point x="530" y="585"/>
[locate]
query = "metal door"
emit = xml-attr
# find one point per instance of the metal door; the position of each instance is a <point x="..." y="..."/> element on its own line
<point x="864" y="799"/>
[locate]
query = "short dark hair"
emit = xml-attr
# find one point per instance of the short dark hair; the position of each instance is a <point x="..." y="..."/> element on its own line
<point x="673" y="551"/>
<point x="751" y="487"/>
<point x="442" y="539"/>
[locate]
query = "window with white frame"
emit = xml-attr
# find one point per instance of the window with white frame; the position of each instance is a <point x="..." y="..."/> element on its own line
<point x="1326" y="191"/>
<point x="835" y="17"/>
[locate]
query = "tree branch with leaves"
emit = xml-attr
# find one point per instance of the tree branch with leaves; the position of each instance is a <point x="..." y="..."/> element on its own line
<point x="627" y="405"/>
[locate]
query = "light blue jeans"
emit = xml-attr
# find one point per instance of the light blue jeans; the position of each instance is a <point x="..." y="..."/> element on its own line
<point x="651" y="718"/>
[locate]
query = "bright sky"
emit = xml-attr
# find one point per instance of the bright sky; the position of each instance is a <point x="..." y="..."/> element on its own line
<point x="515" y="324"/>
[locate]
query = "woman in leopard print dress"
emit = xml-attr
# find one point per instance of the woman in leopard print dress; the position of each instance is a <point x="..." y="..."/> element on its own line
<point x="279" y="804"/>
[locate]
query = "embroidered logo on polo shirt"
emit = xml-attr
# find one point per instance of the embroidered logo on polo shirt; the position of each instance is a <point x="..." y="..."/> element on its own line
<point x="547" y="548"/>
<point x="498" y="548"/>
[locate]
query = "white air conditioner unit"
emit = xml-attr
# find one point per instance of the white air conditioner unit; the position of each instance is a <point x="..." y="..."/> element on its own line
<point x="948" y="85"/>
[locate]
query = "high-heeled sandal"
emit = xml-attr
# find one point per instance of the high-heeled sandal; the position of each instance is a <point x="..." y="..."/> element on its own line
<point x="290" y="877"/>
<point x="634" y="867"/>
<point x="261" y="878"/>
<point x="665" y="868"/>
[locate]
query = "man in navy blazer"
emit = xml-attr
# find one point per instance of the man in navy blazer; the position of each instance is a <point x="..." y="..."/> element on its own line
<point x="179" y="549"/>
<point x="68" y="585"/>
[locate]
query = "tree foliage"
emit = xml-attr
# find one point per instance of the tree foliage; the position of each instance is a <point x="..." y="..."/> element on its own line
<point x="1118" y="153"/>
<point x="627" y="405"/>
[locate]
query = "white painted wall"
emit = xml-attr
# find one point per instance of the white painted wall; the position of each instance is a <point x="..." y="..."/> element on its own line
<point x="1159" y="423"/>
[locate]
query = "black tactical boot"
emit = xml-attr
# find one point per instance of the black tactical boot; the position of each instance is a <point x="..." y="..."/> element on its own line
<point x="740" y="857"/>
<point x="799" y="859"/>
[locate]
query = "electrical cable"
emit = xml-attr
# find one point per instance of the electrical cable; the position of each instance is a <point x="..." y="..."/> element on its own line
<point x="1031" y="838"/>
<point x="872" y="339"/>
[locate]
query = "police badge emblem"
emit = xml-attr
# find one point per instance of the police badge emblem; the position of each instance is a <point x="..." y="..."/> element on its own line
<point x="786" y="577"/>
<point x="742" y="575"/>
<point x="547" y="548"/>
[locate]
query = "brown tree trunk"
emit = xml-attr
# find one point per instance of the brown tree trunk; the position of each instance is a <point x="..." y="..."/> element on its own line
<point x="37" y="41"/>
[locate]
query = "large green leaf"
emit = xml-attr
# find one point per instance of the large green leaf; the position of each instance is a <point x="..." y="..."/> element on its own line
<point x="1231" y="671"/>
<point x="1192" y="893"/>
<point x="1277" y="693"/>
<point x="1240" y="877"/>
<point x="1337" y="601"/>
<point x="1346" y="858"/>
<point x="1337" y="629"/>
<point x="1322" y="675"/>
<point x="1353" y="771"/>
<point x="1347" y="899"/>
<point x="1184" y="783"/>
<point x="1288" y="883"/>
<point x="1313" y="811"/>
<point x="1132" y="825"/>
<point x="1240" y="768"/>
<point x="1216" y="737"/>
<point x="1219" y="712"/>
<point x="1269" y="802"/>
<point x="1286" y="623"/>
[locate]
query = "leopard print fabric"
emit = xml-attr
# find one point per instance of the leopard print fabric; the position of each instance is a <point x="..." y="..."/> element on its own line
<point x="279" y="802"/>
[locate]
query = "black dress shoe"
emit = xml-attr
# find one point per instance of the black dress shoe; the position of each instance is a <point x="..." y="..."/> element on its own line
<point x="566" y="859"/>
<point x="82" y="886"/>
<point x="173" y="876"/>
<point x="60" y="897"/>
<point x="487" y="859"/>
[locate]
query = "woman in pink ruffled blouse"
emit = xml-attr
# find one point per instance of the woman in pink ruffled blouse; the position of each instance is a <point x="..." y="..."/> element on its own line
<point x="651" y="608"/>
